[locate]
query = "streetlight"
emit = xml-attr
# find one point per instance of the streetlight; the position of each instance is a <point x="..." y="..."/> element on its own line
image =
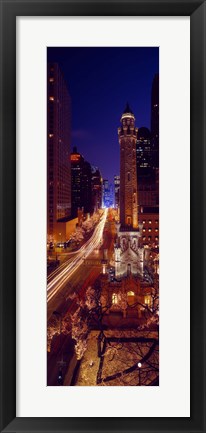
<point x="139" y="367"/>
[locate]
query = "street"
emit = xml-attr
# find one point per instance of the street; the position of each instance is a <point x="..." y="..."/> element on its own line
<point x="75" y="275"/>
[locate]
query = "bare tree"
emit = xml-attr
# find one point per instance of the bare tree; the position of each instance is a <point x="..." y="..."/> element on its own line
<point x="126" y="350"/>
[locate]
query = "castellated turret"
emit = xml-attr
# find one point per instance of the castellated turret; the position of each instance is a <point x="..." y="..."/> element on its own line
<point x="128" y="255"/>
<point x="127" y="134"/>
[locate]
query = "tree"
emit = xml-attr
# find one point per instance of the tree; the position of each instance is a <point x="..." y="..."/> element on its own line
<point x="126" y="349"/>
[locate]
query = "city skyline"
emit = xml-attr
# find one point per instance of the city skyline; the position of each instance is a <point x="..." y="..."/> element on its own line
<point x="100" y="82"/>
<point x="103" y="255"/>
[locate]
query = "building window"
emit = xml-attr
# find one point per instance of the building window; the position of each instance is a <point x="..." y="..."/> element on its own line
<point x="114" y="298"/>
<point x="149" y="230"/>
<point x="147" y="300"/>
<point x="150" y="222"/>
<point x="130" y="293"/>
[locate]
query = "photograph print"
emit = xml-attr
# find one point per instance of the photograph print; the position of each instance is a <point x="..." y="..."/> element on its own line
<point x="103" y="216"/>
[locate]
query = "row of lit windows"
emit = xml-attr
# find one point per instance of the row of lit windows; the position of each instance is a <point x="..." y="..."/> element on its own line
<point x="150" y="222"/>
<point x="147" y="299"/>
<point x="150" y="237"/>
<point x="149" y="230"/>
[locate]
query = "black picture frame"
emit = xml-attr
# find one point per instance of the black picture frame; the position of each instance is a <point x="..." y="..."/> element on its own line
<point x="196" y="9"/>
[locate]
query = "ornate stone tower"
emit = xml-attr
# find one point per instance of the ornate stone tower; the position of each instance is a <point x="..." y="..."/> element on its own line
<point x="128" y="256"/>
<point x="128" y="170"/>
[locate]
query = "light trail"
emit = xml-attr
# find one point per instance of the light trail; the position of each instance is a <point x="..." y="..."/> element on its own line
<point x="63" y="276"/>
<point x="62" y="266"/>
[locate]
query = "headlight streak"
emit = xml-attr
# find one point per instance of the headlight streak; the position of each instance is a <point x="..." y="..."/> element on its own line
<point x="58" y="281"/>
<point x="62" y="266"/>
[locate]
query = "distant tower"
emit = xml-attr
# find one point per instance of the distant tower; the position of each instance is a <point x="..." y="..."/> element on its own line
<point x="128" y="255"/>
<point x="128" y="172"/>
<point x="116" y="191"/>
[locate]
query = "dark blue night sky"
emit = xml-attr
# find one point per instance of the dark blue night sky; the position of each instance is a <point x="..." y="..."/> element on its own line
<point x="101" y="81"/>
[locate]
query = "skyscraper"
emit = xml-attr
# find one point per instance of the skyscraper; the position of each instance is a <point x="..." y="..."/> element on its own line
<point x="58" y="150"/>
<point x="155" y="119"/>
<point x="107" y="194"/>
<point x="81" y="176"/>
<point x="96" y="189"/>
<point x="144" y="149"/>
<point x="155" y="107"/>
<point x="77" y="161"/>
<point x="87" y="187"/>
<point x="116" y="191"/>
<point x="146" y="172"/>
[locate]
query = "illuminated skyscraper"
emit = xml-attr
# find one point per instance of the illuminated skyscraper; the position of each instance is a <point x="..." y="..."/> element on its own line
<point x="155" y="107"/>
<point x="108" y="200"/>
<point x="58" y="150"/>
<point x="146" y="172"/>
<point x="155" y="119"/>
<point x="77" y="161"/>
<point x="96" y="189"/>
<point x="116" y="191"/>
<point x="81" y="176"/>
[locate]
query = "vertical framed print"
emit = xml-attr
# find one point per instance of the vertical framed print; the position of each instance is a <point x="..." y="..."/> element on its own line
<point x="102" y="216"/>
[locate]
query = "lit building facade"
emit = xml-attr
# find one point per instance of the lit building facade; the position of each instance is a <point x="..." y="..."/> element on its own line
<point x="147" y="173"/>
<point x="108" y="199"/>
<point x="149" y="218"/>
<point x="129" y="296"/>
<point x="81" y="183"/>
<point x="128" y="255"/>
<point x="116" y="191"/>
<point x="77" y="161"/>
<point x="155" y="119"/>
<point x="144" y="148"/>
<point x="58" y="150"/>
<point x="96" y="189"/>
<point x="87" y="187"/>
